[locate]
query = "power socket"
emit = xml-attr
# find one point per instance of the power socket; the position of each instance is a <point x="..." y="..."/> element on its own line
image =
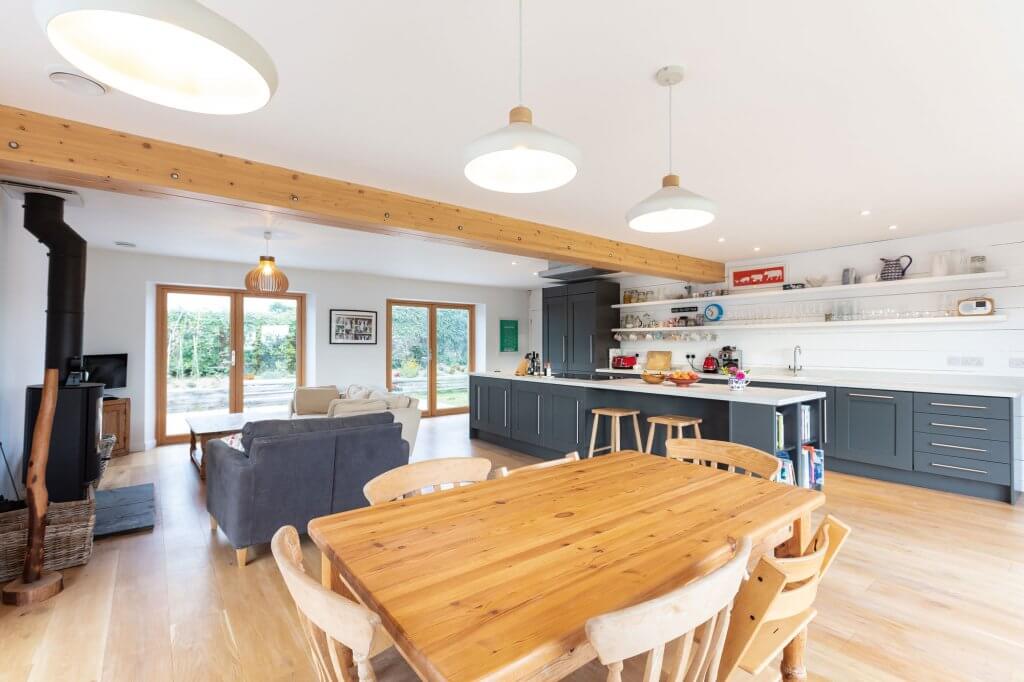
<point x="972" y="361"/>
<point x="1016" y="363"/>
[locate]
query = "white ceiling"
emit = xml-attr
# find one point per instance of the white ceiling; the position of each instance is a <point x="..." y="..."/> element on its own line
<point x="795" y="115"/>
<point x="206" y="230"/>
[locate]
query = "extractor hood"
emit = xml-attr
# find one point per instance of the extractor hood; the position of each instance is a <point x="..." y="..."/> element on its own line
<point x="572" y="272"/>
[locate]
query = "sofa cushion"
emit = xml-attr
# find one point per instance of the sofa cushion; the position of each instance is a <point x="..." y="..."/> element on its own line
<point x="284" y="427"/>
<point x="357" y="392"/>
<point x="314" y="399"/>
<point x="343" y="406"/>
<point x="234" y="441"/>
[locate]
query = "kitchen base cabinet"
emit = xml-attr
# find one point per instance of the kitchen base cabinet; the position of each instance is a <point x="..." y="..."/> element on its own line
<point x="528" y="407"/>
<point x="489" y="405"/>
<point x="956" y="443"/>
<point x="875" y="427"/>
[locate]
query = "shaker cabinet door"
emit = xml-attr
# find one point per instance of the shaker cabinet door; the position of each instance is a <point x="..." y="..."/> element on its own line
<point x="875" y="427"/>
<point x="528" y="412"/>
<point x="556" y="333"/>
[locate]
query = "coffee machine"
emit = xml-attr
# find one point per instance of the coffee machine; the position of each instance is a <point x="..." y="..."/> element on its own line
<point x="730" y="357"/>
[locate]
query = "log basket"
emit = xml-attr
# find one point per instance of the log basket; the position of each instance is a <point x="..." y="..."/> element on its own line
<point x="69" y="527"/>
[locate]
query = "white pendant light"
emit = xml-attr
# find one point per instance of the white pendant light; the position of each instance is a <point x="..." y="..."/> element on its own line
<point x="521" y="158"/>
<point x="176" y="53"/>
<point x="671" y="208"/>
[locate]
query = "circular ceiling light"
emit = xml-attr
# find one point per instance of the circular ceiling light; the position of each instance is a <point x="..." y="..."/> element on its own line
<point x="521" y="158"/>
<point x="176" y="53"/>
<point x="672" y="208"/>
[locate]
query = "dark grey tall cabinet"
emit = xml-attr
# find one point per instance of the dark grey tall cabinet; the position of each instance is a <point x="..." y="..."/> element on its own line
<point x="577" y="325"/>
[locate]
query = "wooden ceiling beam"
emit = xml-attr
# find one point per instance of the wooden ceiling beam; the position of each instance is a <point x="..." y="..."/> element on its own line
<point x="45" y="148"/>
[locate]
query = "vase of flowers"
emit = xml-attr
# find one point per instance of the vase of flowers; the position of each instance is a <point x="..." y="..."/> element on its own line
<point x="738" y="379"/>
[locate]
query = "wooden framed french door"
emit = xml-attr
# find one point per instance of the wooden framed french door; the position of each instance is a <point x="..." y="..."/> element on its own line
<point x="430" y="348"/>
<point x="221" y="351"/>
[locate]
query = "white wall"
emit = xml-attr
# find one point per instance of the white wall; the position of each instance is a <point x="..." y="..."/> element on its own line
<point x="22" y="329"/>
<point x="120" y="318"/>
<point x="925" y="349"/>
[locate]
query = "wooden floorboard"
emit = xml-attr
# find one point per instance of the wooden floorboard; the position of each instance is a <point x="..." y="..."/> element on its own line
<point x="930" y="586"/>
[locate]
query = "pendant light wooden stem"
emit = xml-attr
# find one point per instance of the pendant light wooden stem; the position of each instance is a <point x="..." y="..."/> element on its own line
<point x="520" y="114"/>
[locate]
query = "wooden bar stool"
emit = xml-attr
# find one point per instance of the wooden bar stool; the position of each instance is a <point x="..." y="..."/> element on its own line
<point x="671" y="421"/>
<point x="615" y="414"/>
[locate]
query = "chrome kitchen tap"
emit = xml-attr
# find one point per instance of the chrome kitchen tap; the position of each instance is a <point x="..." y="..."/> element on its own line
<point x="796" y="367"/>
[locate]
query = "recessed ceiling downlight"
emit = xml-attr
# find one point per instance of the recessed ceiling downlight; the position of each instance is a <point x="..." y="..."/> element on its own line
<point x="76" y="82"/>
<point x="176" y="53"/>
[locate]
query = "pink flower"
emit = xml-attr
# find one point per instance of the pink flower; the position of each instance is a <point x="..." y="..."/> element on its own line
<point x="741" y="375"/>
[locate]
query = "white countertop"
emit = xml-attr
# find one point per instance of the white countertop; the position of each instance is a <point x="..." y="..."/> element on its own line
<point x="705" y="391"/>
<point x="922" y="382"/>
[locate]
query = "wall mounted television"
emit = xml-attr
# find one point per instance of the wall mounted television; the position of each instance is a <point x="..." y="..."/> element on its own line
<point x="110" y="370"/>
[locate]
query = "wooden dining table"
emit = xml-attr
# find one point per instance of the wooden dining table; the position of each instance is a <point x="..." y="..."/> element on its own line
<point x="496" y="580"/>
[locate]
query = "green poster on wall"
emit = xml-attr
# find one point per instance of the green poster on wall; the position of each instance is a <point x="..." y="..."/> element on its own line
<point x="508" y="332"/>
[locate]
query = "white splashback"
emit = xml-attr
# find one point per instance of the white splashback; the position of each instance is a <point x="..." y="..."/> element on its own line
<point x="906" y="348"/>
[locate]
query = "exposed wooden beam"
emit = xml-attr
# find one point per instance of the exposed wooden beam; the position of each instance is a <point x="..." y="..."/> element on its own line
<point x="45" y="148"/>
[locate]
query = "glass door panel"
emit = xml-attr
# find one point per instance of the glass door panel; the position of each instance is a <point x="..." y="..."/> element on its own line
<point x="453" y="340"/>
<point x="409" y="336"/>
<point x="198" y="358"/>
<point x="270" y="334"/>
<point x="430" y="354"/>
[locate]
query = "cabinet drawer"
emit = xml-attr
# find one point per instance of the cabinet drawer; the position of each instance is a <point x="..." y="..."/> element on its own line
<point x="965" y="427"/>
<point x="968" y="448"/>
<point x="963" y="405"/>
<point x="959" y="467"/>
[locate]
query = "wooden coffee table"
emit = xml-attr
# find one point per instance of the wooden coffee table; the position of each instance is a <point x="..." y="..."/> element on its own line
<point x="204" y="428"/>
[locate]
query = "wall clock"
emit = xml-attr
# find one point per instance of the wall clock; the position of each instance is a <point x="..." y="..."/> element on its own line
<point x="713" y="312"/>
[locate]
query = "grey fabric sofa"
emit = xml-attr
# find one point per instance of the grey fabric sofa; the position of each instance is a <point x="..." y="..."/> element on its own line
<point x="292" y="471"/>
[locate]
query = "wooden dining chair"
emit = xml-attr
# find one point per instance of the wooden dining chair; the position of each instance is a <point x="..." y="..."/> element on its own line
<point x="505" y="472"/>
<point x="775" y="605"/>
<point x="427" y="476"/>
<point x="328" y="620"/>
<point x="718" y="453"/>
<point x="668" y="627"/>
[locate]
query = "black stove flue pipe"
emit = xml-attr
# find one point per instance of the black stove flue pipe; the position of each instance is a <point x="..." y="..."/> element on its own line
<point x="65" y="294"/>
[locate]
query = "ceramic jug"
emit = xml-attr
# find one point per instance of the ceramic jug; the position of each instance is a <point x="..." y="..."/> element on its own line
<point x="893" y="268"/>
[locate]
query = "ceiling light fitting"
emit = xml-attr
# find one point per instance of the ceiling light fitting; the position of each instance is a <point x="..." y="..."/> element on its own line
<point x="76" y="82"/>
<point x="176" y="53"/>
<point x="266" y="277"/>
<point x="521" y="158"/>
<point x="672" y="208"/>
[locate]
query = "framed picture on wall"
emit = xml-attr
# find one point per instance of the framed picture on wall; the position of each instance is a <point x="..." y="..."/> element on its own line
<point x="353" y="326"/>
<point x="752" y="277"/>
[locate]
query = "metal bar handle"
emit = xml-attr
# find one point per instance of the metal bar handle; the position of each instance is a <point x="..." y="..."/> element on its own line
<point x="504" y="409"/>
<point x="577" y="421"/>
<point x="478" y="401"/>
<point x="538" y="414"/>
<point x="565" y="341"/>
<point x="958" y="447"/>
<point x="872" y="395"/>
<point x="959" y="426"/>
<point x="950" y="466"/>
<point x="591" y="348"/>
<point x="824" y="404"/>
<point x="967" y="407"/>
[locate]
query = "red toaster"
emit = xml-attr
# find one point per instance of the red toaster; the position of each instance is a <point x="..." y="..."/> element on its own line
<point x="624" y="362"/>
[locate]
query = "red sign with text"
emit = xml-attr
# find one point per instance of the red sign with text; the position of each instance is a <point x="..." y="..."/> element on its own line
<point x="757" y="277"/>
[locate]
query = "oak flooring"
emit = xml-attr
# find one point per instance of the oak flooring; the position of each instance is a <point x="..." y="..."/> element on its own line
<point x="930" y="586"/>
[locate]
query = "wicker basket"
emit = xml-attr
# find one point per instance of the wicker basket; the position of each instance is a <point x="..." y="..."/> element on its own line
<point x="106" y="447"/>
<point x="69" y="527"/>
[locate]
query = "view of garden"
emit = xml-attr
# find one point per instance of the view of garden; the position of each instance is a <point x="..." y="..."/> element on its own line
<point x="199" y="356"/>
<point x="410" y="354"/>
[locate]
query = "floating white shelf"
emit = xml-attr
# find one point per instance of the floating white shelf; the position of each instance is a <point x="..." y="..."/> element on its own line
<point x="967" y="321"/>
<point x="966" y="281"/>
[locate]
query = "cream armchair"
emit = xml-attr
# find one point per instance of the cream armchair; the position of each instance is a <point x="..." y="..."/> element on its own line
<point x="327" y="401"/>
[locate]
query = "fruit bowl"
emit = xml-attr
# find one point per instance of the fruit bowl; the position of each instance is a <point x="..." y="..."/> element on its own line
<point x="653" y="377"/>
<point x="683" y="381"/>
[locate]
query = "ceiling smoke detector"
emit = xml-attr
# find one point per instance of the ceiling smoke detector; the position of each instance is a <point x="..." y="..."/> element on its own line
<point x="71" y="80"/>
